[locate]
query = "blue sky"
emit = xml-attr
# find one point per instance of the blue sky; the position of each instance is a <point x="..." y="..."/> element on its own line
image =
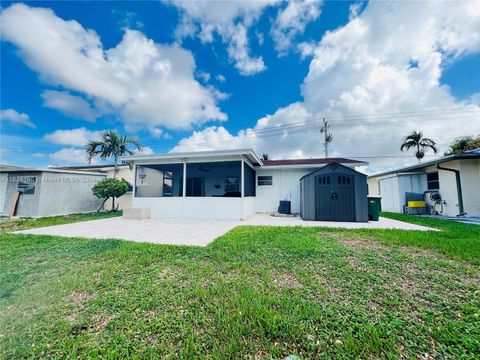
<point x="207" y="75"/>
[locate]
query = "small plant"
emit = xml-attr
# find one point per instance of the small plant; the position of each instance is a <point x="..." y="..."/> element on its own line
<point x="109" y="188"/>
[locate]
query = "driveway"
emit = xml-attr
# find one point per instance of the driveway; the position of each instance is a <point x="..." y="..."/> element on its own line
<point x="192" y="232"/>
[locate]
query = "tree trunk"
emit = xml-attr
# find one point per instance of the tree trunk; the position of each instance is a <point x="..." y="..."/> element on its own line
<point x="103" y="203"/>
<point x="114" y="176"/>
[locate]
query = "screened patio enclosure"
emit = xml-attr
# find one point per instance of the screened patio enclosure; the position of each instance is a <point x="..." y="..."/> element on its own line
<point x="196" y="189"/>
<point x="203" y="179"/>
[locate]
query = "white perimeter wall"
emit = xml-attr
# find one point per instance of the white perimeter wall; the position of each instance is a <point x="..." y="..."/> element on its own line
<point x="197" y="207"/>
<point x="286" y="186"/>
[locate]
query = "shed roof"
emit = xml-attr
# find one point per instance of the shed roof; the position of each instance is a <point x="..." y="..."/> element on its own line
<point x="333" y="163"/>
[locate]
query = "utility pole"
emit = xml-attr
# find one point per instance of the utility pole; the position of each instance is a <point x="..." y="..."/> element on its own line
<point x="328" y="136"/>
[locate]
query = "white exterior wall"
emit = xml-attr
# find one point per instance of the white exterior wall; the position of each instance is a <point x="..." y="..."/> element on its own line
<point x="470" y="176"/>
<point x="125" y="201"/>
<point x="373" y="186"/>
<point x="470" y="180"/>
<point x="249" y="207"/>
<point x="285" y="186"/>
<point x="448" y="187"/>
<point x="197" y="207"/>
<point x="3" y="192"/>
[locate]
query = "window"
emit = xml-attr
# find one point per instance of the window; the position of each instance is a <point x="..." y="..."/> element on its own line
<point x="232" y="184"/>
<point x="159" y="180"/>
<point x="324" y="180"/>
<point x="265" y="180"/>
<point x="26" y="185"/>
<point x="432" y="181"/>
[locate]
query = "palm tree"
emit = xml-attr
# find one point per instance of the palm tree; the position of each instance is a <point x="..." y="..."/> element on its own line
<point x="416" y="140"/>
<point x="111" y="145"/>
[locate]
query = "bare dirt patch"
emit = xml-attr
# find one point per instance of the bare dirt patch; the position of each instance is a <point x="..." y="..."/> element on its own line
<point x="285" y="280"/>
<point x="78" y="300"/>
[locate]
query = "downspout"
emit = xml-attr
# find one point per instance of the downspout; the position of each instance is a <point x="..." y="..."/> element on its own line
<point x="459" y="188"/>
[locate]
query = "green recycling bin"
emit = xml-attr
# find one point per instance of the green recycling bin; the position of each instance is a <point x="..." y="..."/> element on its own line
<point x="374" y="207"/>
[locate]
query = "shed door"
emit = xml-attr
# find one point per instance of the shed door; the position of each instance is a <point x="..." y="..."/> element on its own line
<point x="334" y="198"/>
<point x="344" y="200"/>
<point x="323" y="203"/>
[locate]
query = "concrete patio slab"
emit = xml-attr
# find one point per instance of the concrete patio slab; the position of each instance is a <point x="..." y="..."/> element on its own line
<point x="192" y="232"/>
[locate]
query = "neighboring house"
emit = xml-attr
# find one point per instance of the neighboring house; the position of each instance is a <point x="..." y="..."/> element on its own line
<point x="47" y="192"/>
<point x="123" y="172"/>
<point x="230" y="184"/>
<point x="455" y="177"/>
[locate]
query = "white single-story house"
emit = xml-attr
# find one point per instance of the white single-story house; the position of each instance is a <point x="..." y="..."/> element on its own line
<point x="29" y="192"/>
<point x="450" y="185"/>
<point x="227" y="184"/>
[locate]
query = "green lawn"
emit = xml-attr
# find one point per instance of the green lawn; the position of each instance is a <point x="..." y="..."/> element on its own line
<point x="27" y="223"/>
<point x="256" y="292"/>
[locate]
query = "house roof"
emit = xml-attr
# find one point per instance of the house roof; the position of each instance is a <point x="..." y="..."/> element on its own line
<point x="317" y="161"/>
<point x="471" y="154"/>
<point x="88" y="167"/>
<point x="249" y="153"/>
<point x="51" y="170"/>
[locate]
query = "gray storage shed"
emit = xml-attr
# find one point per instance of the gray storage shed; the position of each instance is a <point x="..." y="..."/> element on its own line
<point x="334" y="193"/>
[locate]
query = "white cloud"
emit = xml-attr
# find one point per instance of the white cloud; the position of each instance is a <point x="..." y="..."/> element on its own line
<point x="287" y="141"/>
<point x="205" y="76"/>
<point x="145" y="151"/>
<point x="38" y="155"/>
<point x="361" y="79"/>
<point x="147" y="84"/>
<point x="229" y="20"/>
<point x="15" y="117"/>
<point x="292" y="20"/>
<point x="70" y="105"/>
<point x="70" y="156"/>
<point x="74" y="137"/>
<point x="220" y="78"/>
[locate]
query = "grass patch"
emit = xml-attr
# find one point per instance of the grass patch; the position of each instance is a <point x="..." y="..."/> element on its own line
<point x="256" y="292"/>
<point x="7" y="225"/>
<point x="457" y="240"/>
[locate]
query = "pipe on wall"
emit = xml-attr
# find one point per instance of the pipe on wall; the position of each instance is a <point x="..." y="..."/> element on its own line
<point x="459" y="188"/>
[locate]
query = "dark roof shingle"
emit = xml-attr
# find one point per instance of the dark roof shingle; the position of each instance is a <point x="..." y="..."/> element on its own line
<point x="309" y="161"/>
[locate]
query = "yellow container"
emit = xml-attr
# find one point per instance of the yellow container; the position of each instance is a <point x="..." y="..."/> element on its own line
<point x="416" y="204"/>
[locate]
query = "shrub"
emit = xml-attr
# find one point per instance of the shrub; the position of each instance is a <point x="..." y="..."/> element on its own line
<point x="110" y="188"/>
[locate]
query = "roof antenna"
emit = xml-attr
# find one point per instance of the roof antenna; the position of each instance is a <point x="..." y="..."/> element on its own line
<point x="328" y="136"/>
